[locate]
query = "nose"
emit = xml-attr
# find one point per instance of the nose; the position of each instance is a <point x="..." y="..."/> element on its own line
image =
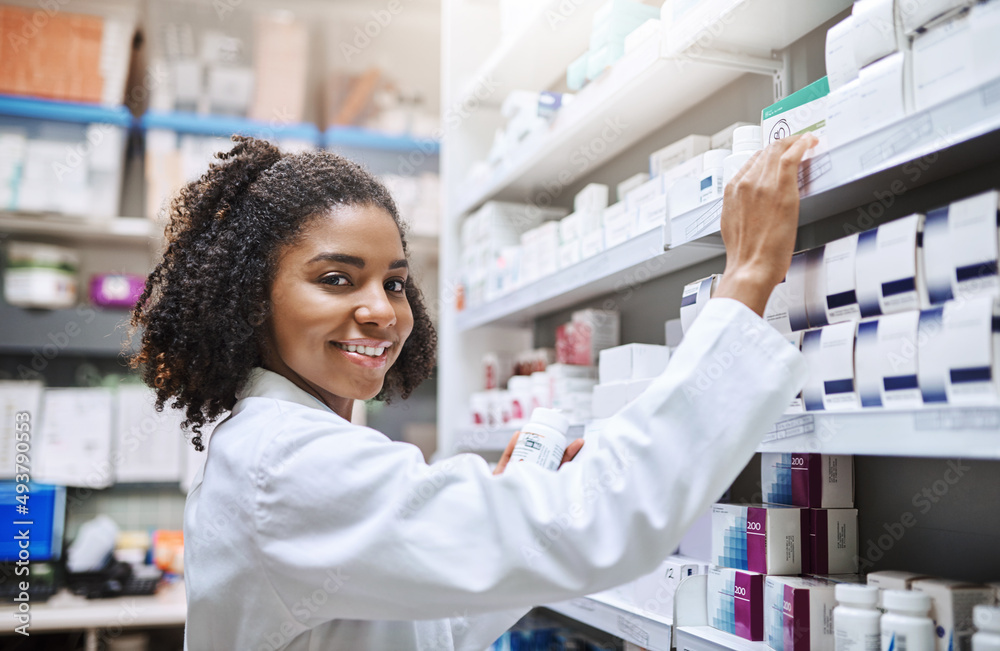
<point x="376" y="308"/>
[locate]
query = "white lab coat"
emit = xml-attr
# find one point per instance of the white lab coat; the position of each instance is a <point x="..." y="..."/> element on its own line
<point x="308" y="532"/>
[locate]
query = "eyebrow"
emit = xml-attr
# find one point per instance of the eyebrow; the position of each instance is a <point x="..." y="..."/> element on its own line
<point x="354" y="260"/>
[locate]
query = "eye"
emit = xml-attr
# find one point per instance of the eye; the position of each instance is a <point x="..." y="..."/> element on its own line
<point x="396" y="285"/>
<point x="335" y="280"/>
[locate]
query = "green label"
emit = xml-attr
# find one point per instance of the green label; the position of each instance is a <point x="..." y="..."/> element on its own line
<point x="815" y="90"/>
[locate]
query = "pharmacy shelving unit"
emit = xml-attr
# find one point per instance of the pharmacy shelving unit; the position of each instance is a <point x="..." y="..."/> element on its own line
<point x="928" y="158"/>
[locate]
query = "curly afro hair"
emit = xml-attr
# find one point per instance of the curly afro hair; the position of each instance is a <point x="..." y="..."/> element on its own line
<point x="204" y="309"/>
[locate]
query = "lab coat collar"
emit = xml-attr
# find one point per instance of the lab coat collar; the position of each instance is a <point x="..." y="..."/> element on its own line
<point x="263" y="383"/>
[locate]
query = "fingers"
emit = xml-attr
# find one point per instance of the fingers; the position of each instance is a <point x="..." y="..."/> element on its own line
<point x="777" y="151"/>
<point x="748" y="167"/>
<point x="571" y="451"/>
<point x="505" y="457"/>
<point x="790" y="160"/>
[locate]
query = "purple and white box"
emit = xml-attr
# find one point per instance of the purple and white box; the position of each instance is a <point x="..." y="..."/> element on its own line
<point x="736" y="602"/>
<point x="759" y="538"/>
<point x="833" y="541"/>
<point x="116" y="290"/>
<point x="813" y="480"/>
<point x="798" y="613"/>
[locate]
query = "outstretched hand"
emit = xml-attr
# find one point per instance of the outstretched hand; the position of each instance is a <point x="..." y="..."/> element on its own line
<point x="568" y="455"/>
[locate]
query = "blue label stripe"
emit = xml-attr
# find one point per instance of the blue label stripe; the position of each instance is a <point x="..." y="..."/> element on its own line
<point x="706" y="183"/>
<point x="974" y="374"/>
<point x="867" y="329"/>
<point x="978" y="270"/>
<point x="900" y="382"/>
<point x="842" y="299"/>
<point x="838" y="386"/>
<point x="894" y="287"/>
<point x="920" y="239"/>
<point x="996" y="324"/>
<point x="690" y="299"/>
<point x="871" y="400"/>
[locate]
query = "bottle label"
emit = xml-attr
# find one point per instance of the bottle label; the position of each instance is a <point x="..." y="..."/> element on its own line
<point x="538" y="449"/>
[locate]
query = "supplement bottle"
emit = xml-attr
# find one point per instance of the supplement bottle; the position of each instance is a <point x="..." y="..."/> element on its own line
<point x="906" y="625"/>
<point x="855" y="619"/>
<point x="987" y="622"/>
<point x="542" y="439"/>
<point x="746" y="140"/>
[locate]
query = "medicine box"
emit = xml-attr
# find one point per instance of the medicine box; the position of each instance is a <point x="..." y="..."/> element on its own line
<point x="631" y="183"/>
<point x="961" y="245"/>
<point x="893" y="579"/>
<point x="611" y="398"/>
<point x="632" y="362"/>
<point x="644" y="192"/>
<point x="694" y="297"/>
<point x="654" y="592"/>
<point x="889" y="268"/>
<point x="592" y="198"/>
<point x="951" y="610"/>
<point x="885" y="361"/>
<point x="736" y="602"/>
<point x="914" y="15"/>
<point x="944" y="64"/>
<point x="829" y="354"/>
<point x="678" y="152"/>
<point x="795" y="406"/>
<point x="833" y="541"/>
<point x="786" y="307"/>
<point x="759" y="538"/>
<point x="877" y="32"/>
<point x="841" y="63"/>
<point x="808" y="479"/>
<point x="798" y="613"/>
<point x="958" y="352"/>
<point x="801" y="112"/>
<point x="830" y="291"/>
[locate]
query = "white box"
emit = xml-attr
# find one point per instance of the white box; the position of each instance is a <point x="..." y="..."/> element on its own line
<point x="795" y="406"/>
<point x="674" y="333"/>
<point x="736" y="602"/>
<point x="961" y="247"/>
<point x="951" y="610"/>
<point x="571" y="227"/>
<point x="985" y="17"/>
<point x="958" y="352"/>
<point x="830" y="283"/>
<point x="654" y="592"/>
<point x="914" y="15"/>
<point x="944" y="63"/>
<point x="650" y="189"/>
<point x="629" y="184"/>
<point x="802" y="111"/>
<point x="609" y="399"/>
<point x="833" y="541"/>
<point x="884" y="92"/>
<point x="885" y="362"/>
<point x="808" y="479"/>
<point x="592" y="243"/>
<point x="829" y="353"/>
<point x="723" y="139"/>
<point x="619" y="225"/>
<point x="798" y="613"/>
<point x="653" y="214"/>
<point x="889" y="268"/>
<point x="786" y="307"/>
<point x="662" y="160"/>
<point x="694" y="298"/>
<point x="763" y="538"/>
<point x="569" y="254"/>
<point x="683" y="196"/>
<point x="632" y="362"/>
<point x="841" y="65"/>
<point x="592" y="198"/>
<point x="877" y="33"/>
<point x="893" y="580"/>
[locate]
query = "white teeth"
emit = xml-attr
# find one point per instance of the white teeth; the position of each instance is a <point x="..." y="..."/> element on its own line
<point x="369" y="351"/>
<point x="351" y="349"/>
<point x="378" y="352"/>
<point x="362" y="350"/>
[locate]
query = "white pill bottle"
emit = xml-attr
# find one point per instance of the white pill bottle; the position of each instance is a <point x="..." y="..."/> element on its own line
<point x="906" y="625"/>
<point x="855" y="619"/>
<point x="543" y="439"/>
<point x="987" y="621"/>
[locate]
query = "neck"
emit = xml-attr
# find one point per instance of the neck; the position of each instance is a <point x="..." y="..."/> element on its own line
<point x="343" y="407"/>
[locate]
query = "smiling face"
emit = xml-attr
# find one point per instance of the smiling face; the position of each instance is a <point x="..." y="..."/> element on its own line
<point x="339" y="314"/>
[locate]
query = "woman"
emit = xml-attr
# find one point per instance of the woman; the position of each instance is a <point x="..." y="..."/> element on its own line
<point x="284" y="295"/>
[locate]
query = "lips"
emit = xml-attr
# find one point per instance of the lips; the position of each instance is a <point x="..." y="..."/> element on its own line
<point x="368" y="353"/>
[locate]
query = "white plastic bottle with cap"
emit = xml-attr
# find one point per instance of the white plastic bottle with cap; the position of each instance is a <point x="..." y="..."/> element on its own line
<point x="855" y="619"/>
<point x="746" y="140"/>
<point x="987" y="621"/>
<point x="711" y="184"/>
<point x="542" y="439"/>
<point x="906" y="625"/>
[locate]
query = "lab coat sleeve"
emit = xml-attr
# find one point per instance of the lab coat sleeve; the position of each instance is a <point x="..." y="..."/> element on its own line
<point x="450" y="540"/>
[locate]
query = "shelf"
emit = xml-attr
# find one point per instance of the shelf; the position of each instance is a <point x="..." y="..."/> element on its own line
<point x="650" y="632"/>
<point x="964" y="432"/>
<point x="952" y="137"/>
<point x="516" y="64"/>
<point x="666" y="76"/>
<point x="484" y="440"/>
<point x="117" y="230"/>
<point x="83" y="330"/>
<point x="361" y="138"/>
<point x="225" y="126"/>
<point x="47" y="109"/>
<point x="706" y="638"/>
<point x="617" y="270"/>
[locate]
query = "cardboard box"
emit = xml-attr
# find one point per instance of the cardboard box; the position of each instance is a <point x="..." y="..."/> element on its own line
<point x="798" y="613"/>
<point x="830" y="291"/>
<point x="759" y="538"/>
<point x="829" y="353"/>
<point x="802" y="111"/>
<point x="654" y="592"/>
<point x="944" y="63"/>
<point x="590" y="331"/>
<point x="914" y="15"/>
<point x="877" y="32"/>
<point x="885" y="362"/>
<point x="592" y="243"/>
<point x="841" y="65"/>
<point x="889" y="268"/>
<point x="736" y="602"/>
<point x="611" y="398"/>
<point x="833" y="541"/>
<point x="795" y="406"/>
<point x="962" y="247"/>
<point x="592" y="198"/>
<point x="786" y="307"/>
<point x="812" y="480"/>
<point x="678" y="152"/>
<point x="632" y="362"/>
<point x="694" y="298"/>
<point x="644" y="192"/>
<point x="631" y="183"/>
<point x="951" y="610"/>
<point x="958" y="353"/>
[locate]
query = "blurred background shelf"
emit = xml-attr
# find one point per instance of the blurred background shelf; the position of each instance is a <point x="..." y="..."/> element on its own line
<point x="60" y="111"/>
<point x="117" y="230"/>
<point x="83" y="330"/>
<point x="647" y="631"/>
